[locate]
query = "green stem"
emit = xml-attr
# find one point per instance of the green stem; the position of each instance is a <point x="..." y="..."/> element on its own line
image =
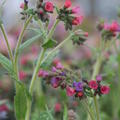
<point x="39" y="62"/>
<point x="7" y="43"/>
<point x="58" y="47"/>
<point x="53" y="29"/>
<point x="18" y="44"/>
<point x="88" y="109"/>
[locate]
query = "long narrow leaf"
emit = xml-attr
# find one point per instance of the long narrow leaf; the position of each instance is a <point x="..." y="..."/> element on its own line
<point x="29" y="42"/>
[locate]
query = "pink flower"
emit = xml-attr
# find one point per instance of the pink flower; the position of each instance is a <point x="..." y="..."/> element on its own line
<point x="49" y="6"/>
<point x="77" y="20"/>
<point x="54" y="69"/>
<point x="98" y="77"/>
<point x="104" y="89"/>
<point x="56" y="61"/>
<point x="93" y="84"/>
<point x="24" y="59"/>
<point x="22" y="75"/>
<point x="114" y="26"/>
<point x="3" y="108"/>
<point x="57" y="107"/>
<point x="76" y="10"/>
<point x="106" y="26"/>
<point x="59" y="66"/>
<point x="42" y="73"/>
<point x="22" y="5"/>
<point x="86" y="34"/>
<point x="70" y="91"/>
<point x="67" y="4"/>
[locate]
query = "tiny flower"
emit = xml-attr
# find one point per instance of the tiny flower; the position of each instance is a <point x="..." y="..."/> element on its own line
<point x="57" y="107"/>
<point x="78" y="86"/>
<point x="22" y="75"/>
<point x="54" y="69"/>
<point x="77" y="20"/>
<point x="93" y="84"/>
<point x="104" y="89"/>
<point x="55" y="82"/>
<point x="114" y="26"/>
<point x="76" y="10"/>
<point x="86" y="34"/>
<point x="22" y="5"/>
<point x="80" y="94"/>
<point x="56" y="61"/>
<point x="49" y="6"/>
<point x="3" y="108"/>
<point x="70" y="91"/>
<point x="98" y="78"/>
<point x="40" y="73"/>
<point x="67" y="4"/>
<point x="59" y="66"/>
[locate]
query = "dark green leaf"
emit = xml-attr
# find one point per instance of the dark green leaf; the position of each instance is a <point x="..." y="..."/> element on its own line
<point x="49" y="44"/>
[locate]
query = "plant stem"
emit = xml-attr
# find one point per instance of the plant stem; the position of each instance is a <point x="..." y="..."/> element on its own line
<point x="57" y="47"/>
<point x="18" y="44"/>
<point x="95" y="73"/>
<point x="39" y="62"/>
<point x="88" y="109"/>
<point x="7" y="43"/>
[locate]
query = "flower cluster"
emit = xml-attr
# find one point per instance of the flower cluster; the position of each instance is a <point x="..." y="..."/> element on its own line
<point x="43" y="8"/>
<point x="75" y="86"/>
<point x="79" y="37"/>
<point x="109" y="30"/>
<point x="69" y="15"/>
<point x="41" y="11"/>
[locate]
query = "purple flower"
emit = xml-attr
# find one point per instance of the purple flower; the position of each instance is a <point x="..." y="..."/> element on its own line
<point x="54" y="69"/>
<point x="55" y="82"/>
<point x="98" y="78"/>
<point x="62" y="74"/>
<point x="78" y="86"/>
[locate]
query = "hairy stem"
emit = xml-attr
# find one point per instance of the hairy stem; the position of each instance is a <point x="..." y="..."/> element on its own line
<point x="18" y="44"/>
<point x="39" y="62"/>
<point x="7" y="43"/>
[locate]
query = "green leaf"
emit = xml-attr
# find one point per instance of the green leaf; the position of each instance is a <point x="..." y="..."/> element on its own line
<point x="48" y="62"/>
<point x="20" y="101"/>
<point x="49" y="44"/>
<point x="6" y="63"/>
<point x="29" y="42"/>
<point x="65" y="115"/>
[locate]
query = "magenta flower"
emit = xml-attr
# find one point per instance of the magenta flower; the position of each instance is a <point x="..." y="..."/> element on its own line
<point x="98" y="78"/>
<point x="59" y="66"/>
<point x="57" y="107"/>
<point x="104" y="89"/>
<point x="114" y="26"/>
<point x="67" y="4"/>
<point x="77" y="20"/>
<point x="42" y="73"/>
<point x="70" y="91"/>
<point x="49" y="6"/>
<point x="76" y="10"/>
<point x="22" y="75"/>
<point x="93" y="84"/>
<point x="54" y="69"/>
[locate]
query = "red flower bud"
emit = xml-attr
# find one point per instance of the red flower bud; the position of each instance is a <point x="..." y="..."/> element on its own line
<point x="49" y="6"/>
<point x="70" y="91"/>
<point x="67" y="4"/>
<point x="104" y="89"/>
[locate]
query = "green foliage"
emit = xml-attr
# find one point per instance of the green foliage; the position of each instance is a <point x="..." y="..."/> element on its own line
<point x="6" y="63"/>
<point x="20" y="101"/>
<point x="29" y="42"/>
<point x="44" y="115"/>
<point x="65" y="115"/>
<point x="46" y="64"/>
<point x="49" y="44"/>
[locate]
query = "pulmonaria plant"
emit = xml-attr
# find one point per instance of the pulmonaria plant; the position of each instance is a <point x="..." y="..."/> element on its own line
<point x="58" y="76"/>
